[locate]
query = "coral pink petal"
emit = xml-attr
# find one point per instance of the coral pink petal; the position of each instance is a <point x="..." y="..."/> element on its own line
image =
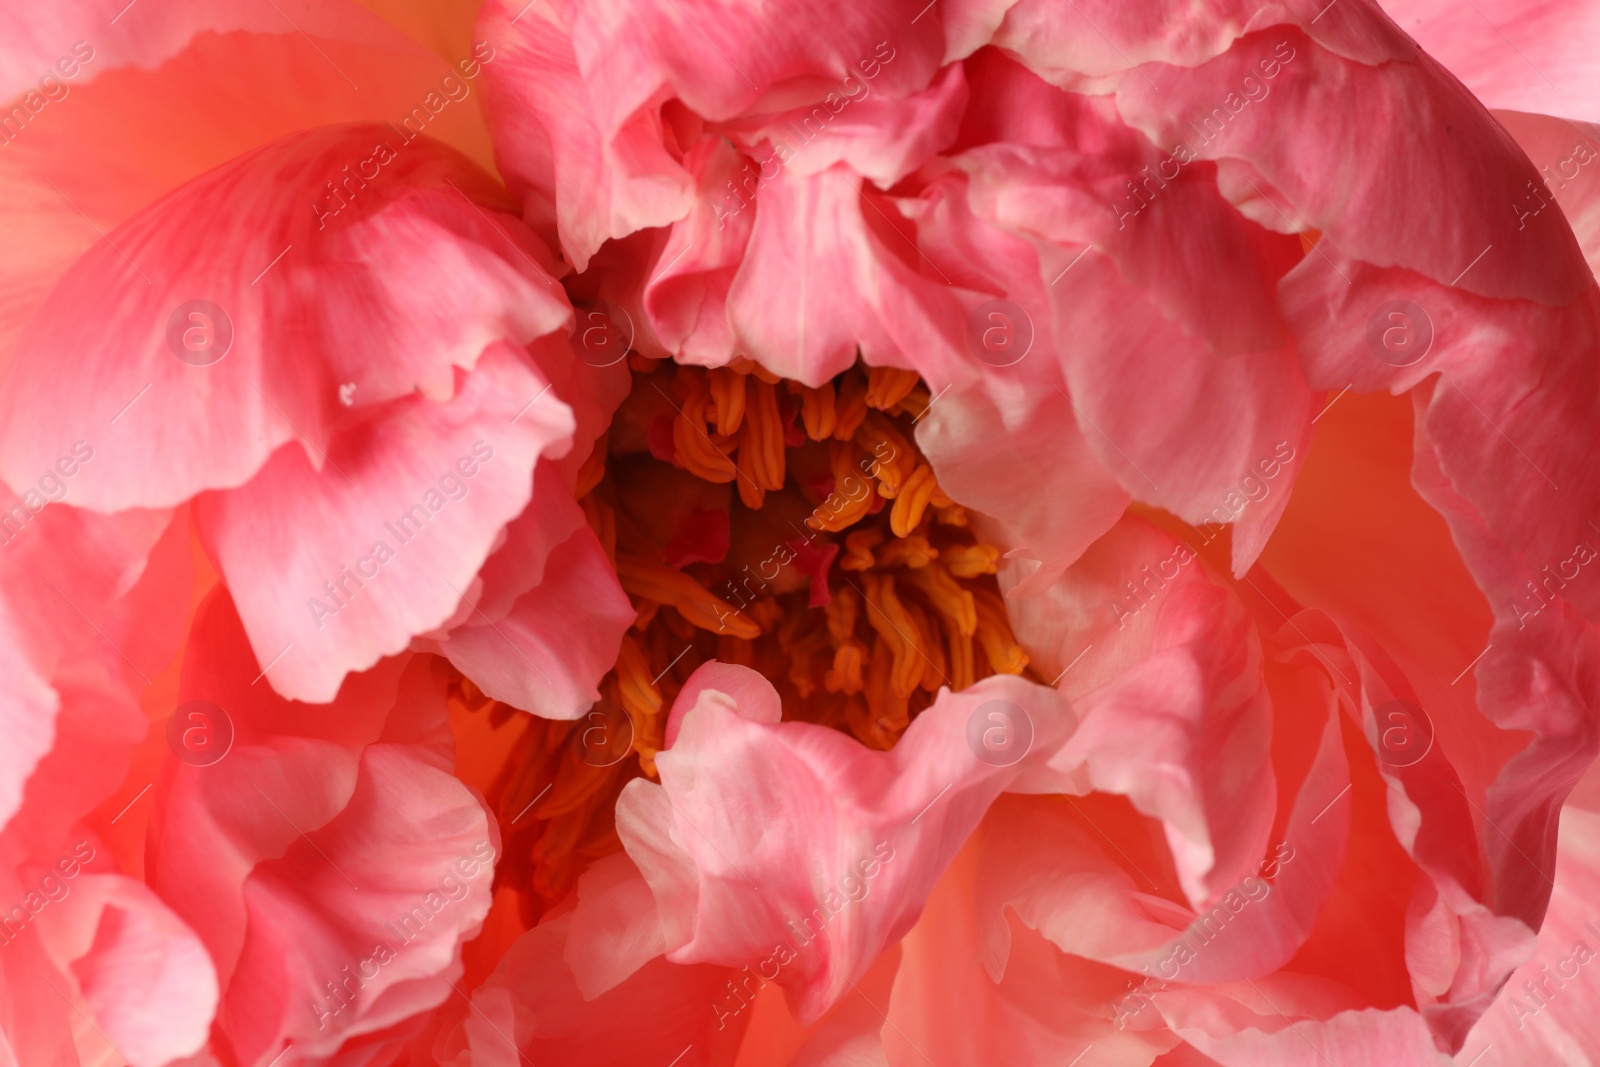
<point x="144" y="976"/>
<point x="1045" y="1007"/>
<point x="828" y="272"/>
<point x="35" y="39"/>
<point x="260" y="86"/>
<point x="749" y="798"/>
<point x="407" y="505"/>
<point x="547" y="654"/>
<point x="974" y="440"/>
<point x="293" y="346"/>
<point x="1513" y="54"/>
<point x="1367" y="197"/>
<point x="368" y="778"/>
<point x="591" y="179"/>
<point x="531" y="1011"/>
<point x="686" y="293"/>
<point x="88" y="605"/>
<point x="1545" y="1012"/>
<point x="1511" y="417"/>
<point x="723" y="61"/>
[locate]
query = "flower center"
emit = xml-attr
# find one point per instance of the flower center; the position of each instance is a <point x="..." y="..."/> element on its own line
<point x="797" y="531"/>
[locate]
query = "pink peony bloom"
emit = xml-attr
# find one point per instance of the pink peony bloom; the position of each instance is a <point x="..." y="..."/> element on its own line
<point x="685" y="533"/>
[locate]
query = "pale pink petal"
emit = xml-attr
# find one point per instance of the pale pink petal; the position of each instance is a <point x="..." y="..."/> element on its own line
<point x="144" y="977"/>
<point x="738" y="689"/>
<point x="800" y="837"/>
<point x="1527" y="55"/>
<point x="1254" y="1033"/>
<point x="615" y="929"/>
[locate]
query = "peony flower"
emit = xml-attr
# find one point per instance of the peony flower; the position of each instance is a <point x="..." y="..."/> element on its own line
<point x="680" y="533"/>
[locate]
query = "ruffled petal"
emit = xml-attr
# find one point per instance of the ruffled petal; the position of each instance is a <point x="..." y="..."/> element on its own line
<point x="330" y="860"/>
<point x="143" y="975"/>
<point x="1544" y="1014"/>
<point x="535" y="657"/>
<point x="827" y="273"/>
<point x="408" y="506"/>
<point x="1175" y="714"/>
<point x="1367" y="195"/>
<point x="592" y="179"/>
<point x="531" y="1011"/>
<point x="295" y="348"/>
<point x="800" y="837"/>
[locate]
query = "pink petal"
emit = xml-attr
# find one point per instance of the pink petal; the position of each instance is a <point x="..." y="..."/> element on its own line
<point x="1182" y="723"/>
<point x="1046" y="1007"/>
<point x="261" y="86"/>
<point x="634" y="53"/>
<point x="441" y="281"/>
<point x="827" y="272"/>
<point x="686" y="293"/>
<point x="1348" y="115"/>
<point x="797" y="836"/>
<point x="1544" y="1014"/>
<point x="254" y="851"/>
<point x="595" y="175"/>
<point x="531" y="1011"/>
<point x="34" y="37"/>
<point x="92" y="606"/>
<point x="143" y="974"/>
<point x="1051" y="514"/>
<point x="881" y="138"/>
<point x="535" y="657"/>
<point x="1510" y="417"/>
<point x="1564" y="153"/>
<point x="402" y="525"/>
<point x="1524" y="56"/>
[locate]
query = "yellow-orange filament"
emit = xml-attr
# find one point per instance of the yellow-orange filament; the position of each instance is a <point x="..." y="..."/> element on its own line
<point x="697" y="604"/>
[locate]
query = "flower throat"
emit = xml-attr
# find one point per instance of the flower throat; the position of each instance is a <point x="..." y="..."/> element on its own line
<point x="791" y="529"/>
